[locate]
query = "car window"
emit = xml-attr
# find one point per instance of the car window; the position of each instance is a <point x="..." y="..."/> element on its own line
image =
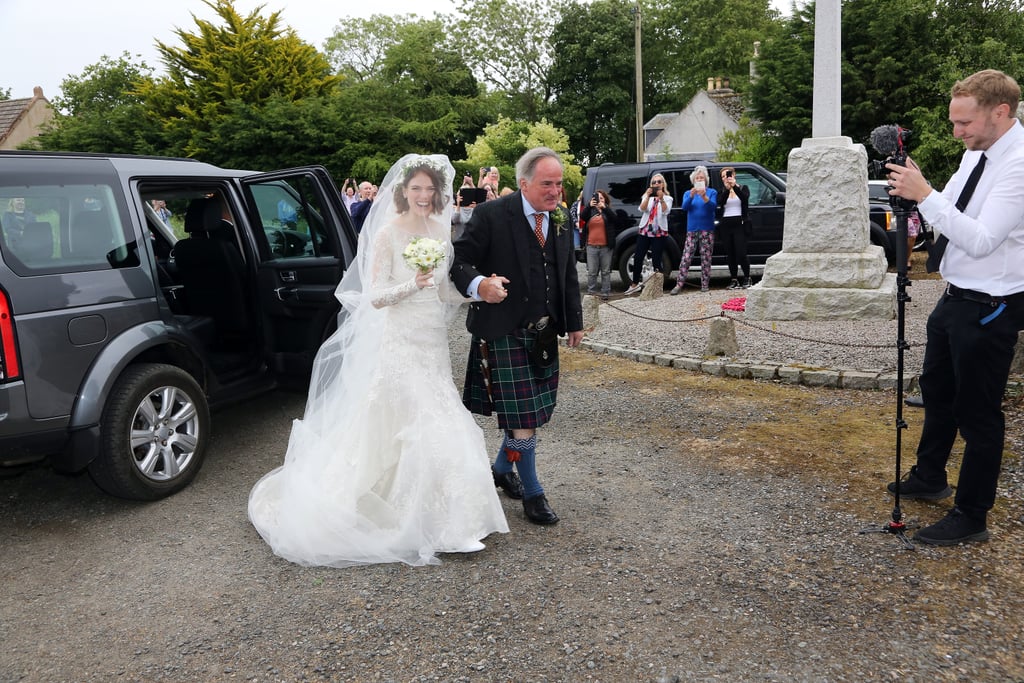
<point x="760" y="191"/>
<point x="878" y="191"/>
<point x="678" y="183"/>
<point x="625" y="187"/>
<point x="63" y="228"/>
<point x="292" y="218"/>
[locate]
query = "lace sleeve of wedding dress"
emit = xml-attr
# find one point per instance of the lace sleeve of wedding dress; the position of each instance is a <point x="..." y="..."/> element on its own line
<point x="382" y="295"/>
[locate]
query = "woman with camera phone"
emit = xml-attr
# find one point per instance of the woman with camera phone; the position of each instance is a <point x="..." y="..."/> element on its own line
<point x="599" y="230"/>
<point x="734" y="226"/>
<point x="699" y="204"/>
<point x="654" y="208"/>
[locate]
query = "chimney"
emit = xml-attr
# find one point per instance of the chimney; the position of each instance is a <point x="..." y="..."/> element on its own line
<point x="718" y="83"/>
<point x="37" y="92"/>
<point x="711" y="83"/>
<point x="725" y="83"/>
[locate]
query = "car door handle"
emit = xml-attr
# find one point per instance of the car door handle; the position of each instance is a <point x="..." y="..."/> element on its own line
<point x="285" y="293"/>
<point x="288" y="276"/>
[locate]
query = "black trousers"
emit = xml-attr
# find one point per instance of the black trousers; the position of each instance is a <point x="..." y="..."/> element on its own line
<point x="966" y="366"/>
<point x="644" y="243"/>
<point x="734" y="235"/>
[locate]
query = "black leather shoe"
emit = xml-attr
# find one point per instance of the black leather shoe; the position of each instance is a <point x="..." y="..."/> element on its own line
<point x="914" y="401"/>
<point x="538" y="511"/>
<point x="509" y="483"/>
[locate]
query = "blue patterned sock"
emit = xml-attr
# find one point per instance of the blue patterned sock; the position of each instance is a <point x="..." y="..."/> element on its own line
<point x="501" y="462"/>
<point x="527" y="465"/>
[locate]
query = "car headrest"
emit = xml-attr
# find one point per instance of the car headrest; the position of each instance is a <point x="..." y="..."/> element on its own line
<point x="202" y="215"/>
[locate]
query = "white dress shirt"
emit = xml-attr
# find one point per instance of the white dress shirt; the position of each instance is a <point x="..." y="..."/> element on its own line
<point x="986" y="241"/>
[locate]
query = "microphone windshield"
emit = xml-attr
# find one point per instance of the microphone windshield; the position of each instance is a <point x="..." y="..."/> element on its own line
<point x="885" y="139"/>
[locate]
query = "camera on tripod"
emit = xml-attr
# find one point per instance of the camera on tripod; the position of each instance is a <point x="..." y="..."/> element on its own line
<point x="891" y="140"/>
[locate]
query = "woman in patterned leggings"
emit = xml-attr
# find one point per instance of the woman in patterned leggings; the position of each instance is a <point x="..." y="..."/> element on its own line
<point x="699" y="204"/>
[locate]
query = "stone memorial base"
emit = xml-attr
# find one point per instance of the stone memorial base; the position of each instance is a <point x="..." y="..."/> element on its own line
<point x="827" y="269"/>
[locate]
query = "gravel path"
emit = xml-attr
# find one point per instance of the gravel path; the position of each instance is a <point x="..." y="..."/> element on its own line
<point x="709" y="533"/>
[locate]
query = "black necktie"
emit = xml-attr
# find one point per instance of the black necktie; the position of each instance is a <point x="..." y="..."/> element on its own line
<point x="936" y="250"/>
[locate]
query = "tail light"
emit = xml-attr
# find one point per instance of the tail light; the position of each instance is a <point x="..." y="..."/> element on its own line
<point x="9" y="368"/>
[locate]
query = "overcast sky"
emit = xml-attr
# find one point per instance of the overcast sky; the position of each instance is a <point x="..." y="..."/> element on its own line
<point x="45" y="41"/>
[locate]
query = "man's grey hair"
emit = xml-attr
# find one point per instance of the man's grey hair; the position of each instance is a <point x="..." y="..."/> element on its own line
<point x="527" y="163"/>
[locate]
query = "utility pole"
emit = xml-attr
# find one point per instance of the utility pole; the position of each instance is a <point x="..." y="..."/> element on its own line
<point x="639" y="77"/>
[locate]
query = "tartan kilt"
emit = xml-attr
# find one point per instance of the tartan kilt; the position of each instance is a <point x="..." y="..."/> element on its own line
<point x="524" y="397"/>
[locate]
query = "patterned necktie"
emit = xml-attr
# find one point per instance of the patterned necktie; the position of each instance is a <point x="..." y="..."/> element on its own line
<point x="936" y="250"/>
<point x="538" y="227"/>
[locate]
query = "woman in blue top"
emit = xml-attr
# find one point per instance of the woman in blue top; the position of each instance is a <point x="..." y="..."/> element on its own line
<point x="699" y="204"/>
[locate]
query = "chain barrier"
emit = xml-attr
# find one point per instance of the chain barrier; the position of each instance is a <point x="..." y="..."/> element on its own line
<point x="769" y="330"/>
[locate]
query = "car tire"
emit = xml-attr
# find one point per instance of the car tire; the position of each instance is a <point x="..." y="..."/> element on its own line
<point x="626" y="269"/>
<point x="880" y="238"/>
<point x="153" y="433"/>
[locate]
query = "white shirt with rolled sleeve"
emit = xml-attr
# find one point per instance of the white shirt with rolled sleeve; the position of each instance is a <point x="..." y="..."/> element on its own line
<point x="986" y="241"/>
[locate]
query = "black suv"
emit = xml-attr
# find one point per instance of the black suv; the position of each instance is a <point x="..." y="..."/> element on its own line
<point x="626" y="183"/>
<point x="136" y="293"/>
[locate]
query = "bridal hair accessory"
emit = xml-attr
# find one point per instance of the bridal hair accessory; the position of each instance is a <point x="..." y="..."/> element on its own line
<point x="419" y="162"/>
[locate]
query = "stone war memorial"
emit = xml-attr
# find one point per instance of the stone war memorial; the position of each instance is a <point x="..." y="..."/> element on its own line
<point x="827" y="269"/>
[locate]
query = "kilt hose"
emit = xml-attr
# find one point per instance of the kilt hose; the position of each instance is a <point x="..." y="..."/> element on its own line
<point x="524" y="397"/>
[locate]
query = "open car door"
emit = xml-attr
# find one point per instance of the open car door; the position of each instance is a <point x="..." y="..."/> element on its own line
<point x="305" y="241"/>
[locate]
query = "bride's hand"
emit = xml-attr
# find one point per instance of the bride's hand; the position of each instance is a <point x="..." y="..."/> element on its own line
<point x="425" y="278"/>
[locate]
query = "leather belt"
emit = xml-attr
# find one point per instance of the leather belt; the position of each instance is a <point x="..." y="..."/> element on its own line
<point x="539" y="324"/>
<point x="998" y="304"/>
<point x="981" y="297"/>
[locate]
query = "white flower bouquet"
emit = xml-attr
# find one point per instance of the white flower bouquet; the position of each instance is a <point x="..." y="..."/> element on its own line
<point x="424" y="254"/>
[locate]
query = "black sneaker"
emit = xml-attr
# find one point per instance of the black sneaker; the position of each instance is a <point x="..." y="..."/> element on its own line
<point x="735" y="284"/>
<point x="912" y="487"/>
<point x="955" y="527"/>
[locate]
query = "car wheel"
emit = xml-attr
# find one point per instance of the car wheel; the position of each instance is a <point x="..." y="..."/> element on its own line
<point x="153" y="433"/>
<point x="626" y="265"/>
<point x="879" y="237"/>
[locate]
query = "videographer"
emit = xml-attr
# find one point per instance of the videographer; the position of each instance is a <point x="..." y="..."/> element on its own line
<point x="973" y="328"/>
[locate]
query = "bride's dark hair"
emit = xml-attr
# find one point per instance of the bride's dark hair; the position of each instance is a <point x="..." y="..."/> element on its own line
<point x="436" y="177"/>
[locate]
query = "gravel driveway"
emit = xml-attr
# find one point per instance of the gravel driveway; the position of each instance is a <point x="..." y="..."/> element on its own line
<point x="709" y="533"/>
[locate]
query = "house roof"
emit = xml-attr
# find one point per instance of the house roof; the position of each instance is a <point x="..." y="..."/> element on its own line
<point x="660" y="121"/>
<point x="11" y="111"/>
<point x="729" y="101"/>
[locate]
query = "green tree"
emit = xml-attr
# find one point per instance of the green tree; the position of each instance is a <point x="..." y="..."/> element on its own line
<point x="247" y="59"/>
<point x="358" y="46"/>
<point x="706" y="38"/>
<point x="100" y="110"/>
<point x="5" y="93"/>
<point x="502" y="143"/>
<point x="900" y="57"/>
<point x="505" y="42"/>
<point x="782" y="94"/>
<point x="592" y="80"/>
<point x="752" y="143"/>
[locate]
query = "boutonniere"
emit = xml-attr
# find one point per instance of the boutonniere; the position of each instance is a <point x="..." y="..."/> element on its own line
<point x="557" y="218"/>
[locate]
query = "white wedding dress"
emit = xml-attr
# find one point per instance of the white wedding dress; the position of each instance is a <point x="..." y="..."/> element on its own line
<point x="386" y="465"/>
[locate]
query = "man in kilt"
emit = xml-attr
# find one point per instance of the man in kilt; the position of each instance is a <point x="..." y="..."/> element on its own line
<point x="515" y="259"/>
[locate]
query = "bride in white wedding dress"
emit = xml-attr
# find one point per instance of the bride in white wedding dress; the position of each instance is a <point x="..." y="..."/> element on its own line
<point x="386" y="464"/>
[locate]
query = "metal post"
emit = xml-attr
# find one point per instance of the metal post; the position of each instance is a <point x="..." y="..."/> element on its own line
<point x="639" y="87"/>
